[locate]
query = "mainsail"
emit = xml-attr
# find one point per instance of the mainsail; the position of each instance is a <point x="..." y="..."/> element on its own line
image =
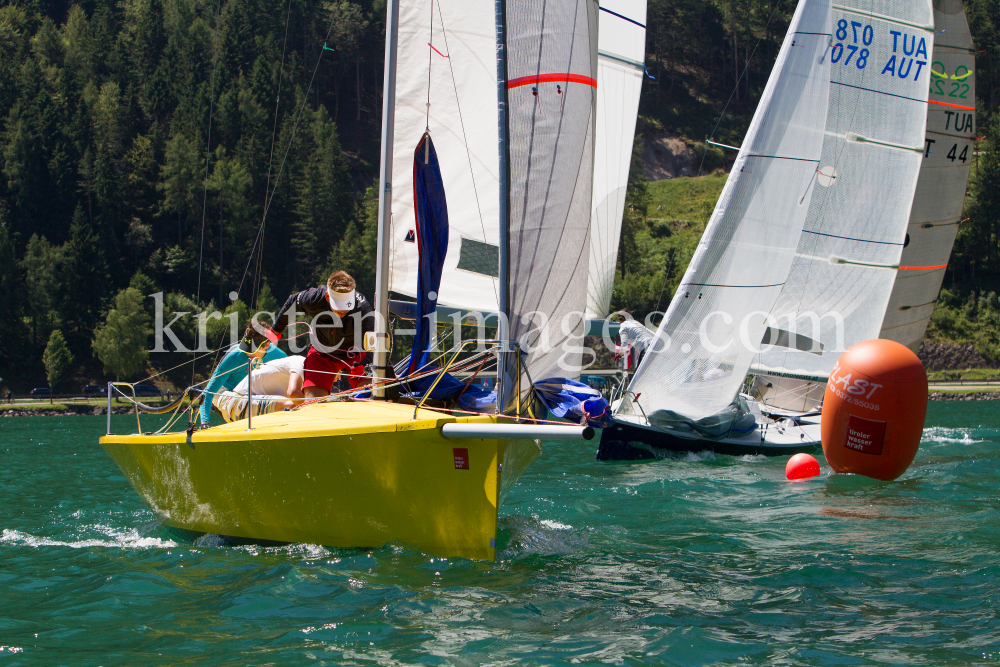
<point x="944" y="174"/>
<point x="620" y="56"/>
<point x="705" y="343"/>
<point x="446" y="58"/>
<point x="551" y="90"/>
<point x="845" y="264"/>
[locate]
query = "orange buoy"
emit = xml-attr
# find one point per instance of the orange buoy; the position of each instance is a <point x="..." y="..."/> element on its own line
<point x="874" y="410"/>
<point x="801" y="466"/>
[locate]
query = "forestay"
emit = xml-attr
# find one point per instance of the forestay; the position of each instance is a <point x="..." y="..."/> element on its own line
<point x="944" y="174"/>
<point x="845" y="265"/>
<point x="620" y="56"/>
<point x="705" y="343"/>
<point x="446" y="56"/>
<point x="551" y="63"/>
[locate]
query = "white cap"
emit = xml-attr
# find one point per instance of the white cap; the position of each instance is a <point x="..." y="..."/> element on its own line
<point x="342" y="300"/>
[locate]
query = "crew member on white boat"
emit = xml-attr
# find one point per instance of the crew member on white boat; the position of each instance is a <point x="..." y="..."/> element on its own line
<point x="280" y="377"/>
<point x="633" y="334"/>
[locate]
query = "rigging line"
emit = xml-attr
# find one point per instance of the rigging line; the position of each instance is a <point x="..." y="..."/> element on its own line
<point x="291" y="139"/>
<point x="208" y="157"/>
<point x="274" y="130"/>
<point x="208" y="148"/>
<point x="281" y="71"/>
<point x="465" y="141"/>
<point x="430" y="61"/>
<point x="746" y="66"/>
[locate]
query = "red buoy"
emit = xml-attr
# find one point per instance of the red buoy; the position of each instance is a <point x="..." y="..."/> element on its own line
<point x="801" y="466"/>
<point x="874" y="410"/>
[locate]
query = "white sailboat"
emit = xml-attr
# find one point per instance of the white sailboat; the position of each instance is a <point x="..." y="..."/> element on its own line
<point x="470" y="288"/>
<point x="845" y="261"/>
<point x="360" y="474"/>
<point x="944" y="175"/>
<point x="934" y="216"/>
<point x="682" y="395"/>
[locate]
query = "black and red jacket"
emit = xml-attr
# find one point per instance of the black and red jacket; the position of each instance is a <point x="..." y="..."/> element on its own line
<point x="336" y="335"/>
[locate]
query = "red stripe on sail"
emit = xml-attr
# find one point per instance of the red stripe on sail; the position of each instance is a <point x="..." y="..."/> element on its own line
<point x="949" y="104"/>
<point x="551" y="78"/>
<point x="922" y="268"/>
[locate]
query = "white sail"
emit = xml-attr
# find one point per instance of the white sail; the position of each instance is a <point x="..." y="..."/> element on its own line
<point x="620" y="57"/>
<point x="551" y="91"/>
<point x="944" y="175"/>
<point x="845" y="265"/>
<point x="705" y="343"/>
<point x="449" y="47"/>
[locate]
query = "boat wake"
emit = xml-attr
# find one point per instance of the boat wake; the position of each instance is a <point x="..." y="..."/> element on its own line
<point x="529" y="535"/>
<point x="951" y="436"/>
<point x="112" y="538"/>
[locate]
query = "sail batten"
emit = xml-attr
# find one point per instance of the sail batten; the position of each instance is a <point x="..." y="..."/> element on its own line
<point x="706" y="341"/>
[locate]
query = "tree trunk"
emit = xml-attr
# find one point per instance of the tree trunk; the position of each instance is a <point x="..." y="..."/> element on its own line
<point x="222" y="242"/>
<point x="357" y="82"/>
<point x="736" y="66"/>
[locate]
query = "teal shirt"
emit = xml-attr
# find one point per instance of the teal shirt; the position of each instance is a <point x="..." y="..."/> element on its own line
<point x="230" y="371"/>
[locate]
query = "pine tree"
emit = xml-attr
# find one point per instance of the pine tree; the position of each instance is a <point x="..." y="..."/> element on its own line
<point x="56" y="358"/>
<point x="121" y="342"/>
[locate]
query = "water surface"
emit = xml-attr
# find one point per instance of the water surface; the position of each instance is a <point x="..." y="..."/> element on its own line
<point x="691" y="560"/>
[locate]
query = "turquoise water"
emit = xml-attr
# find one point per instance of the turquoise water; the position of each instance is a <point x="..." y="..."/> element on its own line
<point x="692" y="560"/>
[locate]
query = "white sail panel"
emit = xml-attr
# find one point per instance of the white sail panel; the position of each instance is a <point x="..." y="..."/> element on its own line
<point x="707" y="339"/>
<point x="460" y="71"/>
<point x="551" y="65"/>
<point x="944" y="175"/>
<point x="844" y="269"/>
<point x="620" y="56"/>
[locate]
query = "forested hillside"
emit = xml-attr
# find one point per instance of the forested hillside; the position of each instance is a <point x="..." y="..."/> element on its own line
<point x="142" y="140"/>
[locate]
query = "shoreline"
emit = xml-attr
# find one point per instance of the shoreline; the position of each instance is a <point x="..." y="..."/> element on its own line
<point x="123" y="410"/>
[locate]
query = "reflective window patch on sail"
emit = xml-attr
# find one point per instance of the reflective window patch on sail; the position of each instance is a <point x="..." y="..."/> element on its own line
<point x="479" y="257"/>
<point x="782" y="338"/>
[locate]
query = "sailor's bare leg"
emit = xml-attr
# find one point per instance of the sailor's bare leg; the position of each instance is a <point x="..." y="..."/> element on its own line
<point x="294" y="392"/>
<point x="315" y="392"/>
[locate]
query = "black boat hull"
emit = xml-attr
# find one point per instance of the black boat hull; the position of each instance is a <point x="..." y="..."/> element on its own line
<point x="622" y="441"/>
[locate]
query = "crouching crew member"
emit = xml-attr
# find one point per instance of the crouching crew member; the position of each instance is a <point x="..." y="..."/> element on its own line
<point x="340" y="317"/>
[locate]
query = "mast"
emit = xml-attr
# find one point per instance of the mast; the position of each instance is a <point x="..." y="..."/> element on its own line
<point x="503" y="329"/>
<point x="385" y="199"/>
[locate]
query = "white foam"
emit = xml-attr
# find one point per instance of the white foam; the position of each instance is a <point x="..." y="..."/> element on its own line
<point x="115" y="540"/>
<point x="958" y="436"/>
<point x="530" y="535"/>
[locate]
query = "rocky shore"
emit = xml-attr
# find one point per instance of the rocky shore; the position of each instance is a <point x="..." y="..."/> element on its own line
<point x="950" y="357"/>
<point x="972" y="396"/>
<point x="70" y="410"/>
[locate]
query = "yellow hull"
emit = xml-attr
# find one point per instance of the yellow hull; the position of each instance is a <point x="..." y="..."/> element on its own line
<point x="339" y="474"/>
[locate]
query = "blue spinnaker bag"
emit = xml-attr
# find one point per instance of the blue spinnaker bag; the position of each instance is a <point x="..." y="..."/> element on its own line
<point x="571" y="399"/>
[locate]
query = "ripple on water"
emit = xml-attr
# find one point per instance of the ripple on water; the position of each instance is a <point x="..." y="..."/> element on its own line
<point x="688" y="560"/>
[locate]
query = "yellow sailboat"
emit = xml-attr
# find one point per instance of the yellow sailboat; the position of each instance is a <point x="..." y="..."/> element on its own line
<point x="362" y="473"/>
<point x="344" y="474"/>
